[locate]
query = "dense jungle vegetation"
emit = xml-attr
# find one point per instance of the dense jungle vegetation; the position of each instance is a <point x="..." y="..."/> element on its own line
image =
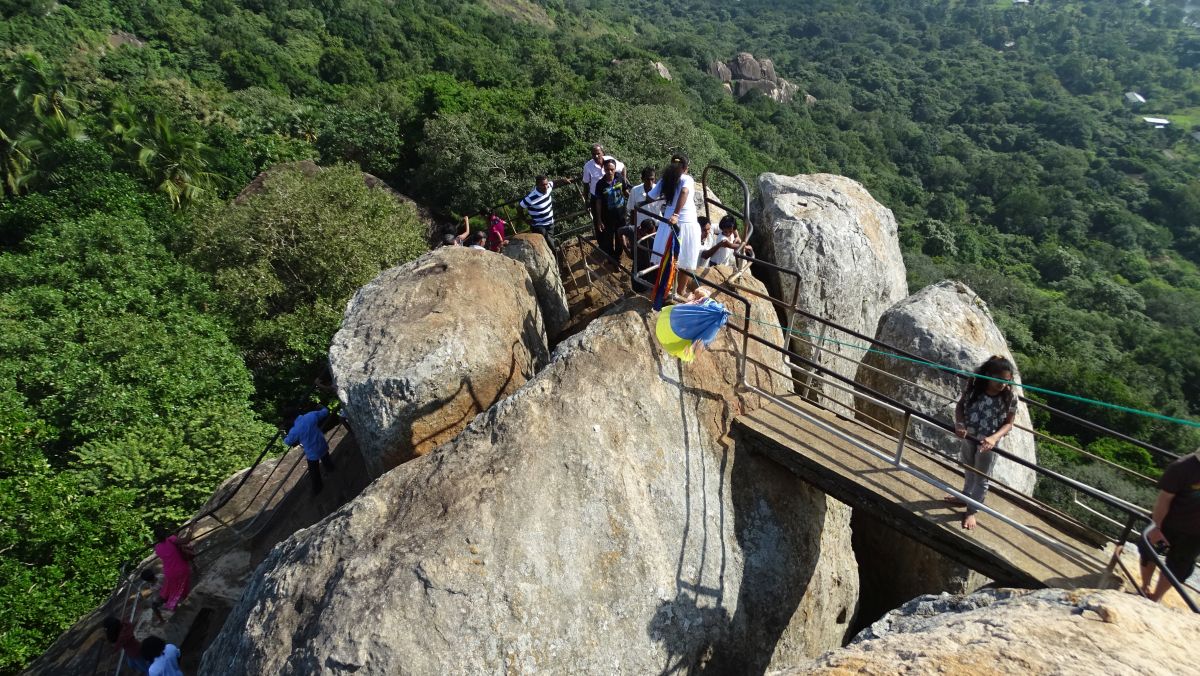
<point x="147" y="339"/>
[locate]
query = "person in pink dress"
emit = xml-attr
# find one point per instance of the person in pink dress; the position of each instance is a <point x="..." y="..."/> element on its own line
<point x="176" y="556"/>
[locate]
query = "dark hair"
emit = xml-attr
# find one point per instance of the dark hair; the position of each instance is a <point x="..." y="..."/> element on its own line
<point x="539" y="178"/>
<point x="112" y="629"/>
<point x="702" y="220"/>
<point x="680" y="159"/>
<point x="162" y="533"/>
<point x="670" y="182"/>
<point x="152" y="647"/>
<point x="478" y="236"/>
<point x="448" y="239"/>
<point x="728" y="222"/>
<point x="990" y="369"/>
<point x="647" y="173"/>
<point x="646" y="224"/>
<point x="610" y="161"/>
<point x="149" y="575"/>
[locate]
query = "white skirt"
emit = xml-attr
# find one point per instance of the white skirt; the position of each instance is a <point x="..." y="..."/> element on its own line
<point x="689" y="244"/>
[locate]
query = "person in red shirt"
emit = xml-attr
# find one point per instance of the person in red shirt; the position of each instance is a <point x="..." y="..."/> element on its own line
<point x="120" y="634"/>
<point x="1176" y="528"/>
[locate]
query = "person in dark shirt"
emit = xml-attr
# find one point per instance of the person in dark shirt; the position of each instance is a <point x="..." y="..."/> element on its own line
<point x="612" y="192"/>
<point x="1176" y="520"/>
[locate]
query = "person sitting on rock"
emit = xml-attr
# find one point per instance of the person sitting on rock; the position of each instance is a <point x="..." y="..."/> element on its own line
<point x="120" y="634"/>
<point x="176" y="555"/>
<point x="305" y="429"/>
<point x="163" y="657"/>
<point x="722" y="250"/>
<point x="983" y="416"/>
<point x="707" y="240"/>
<point x="539" y="204"/>
<point x="1176" y="518"/>
<point x="478" y="240"/>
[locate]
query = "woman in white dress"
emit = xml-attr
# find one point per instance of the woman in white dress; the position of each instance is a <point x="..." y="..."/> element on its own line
<point x="679" y="211"/>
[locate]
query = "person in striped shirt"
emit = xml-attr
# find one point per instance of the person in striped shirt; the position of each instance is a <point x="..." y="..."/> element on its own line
<point x="540" y="206"/>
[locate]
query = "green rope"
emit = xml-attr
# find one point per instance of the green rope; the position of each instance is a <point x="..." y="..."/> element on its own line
<point x="971" y="374"/>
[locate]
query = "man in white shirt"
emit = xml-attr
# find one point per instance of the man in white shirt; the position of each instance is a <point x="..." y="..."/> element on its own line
<point x="593" y="169"/>
<point x="638" y="195"/>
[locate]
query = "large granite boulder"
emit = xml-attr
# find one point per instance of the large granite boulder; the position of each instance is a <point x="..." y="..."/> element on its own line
<point x="539" y="261"/>
<point x="426" y="346"/>
<point x="945" y="323"/>
<point x="745" y="67"/>
<point x="744" y="74"/>
<point x="597" y="520"/>
<point x="1049" y="631"/>
<point x="845" y="247"/>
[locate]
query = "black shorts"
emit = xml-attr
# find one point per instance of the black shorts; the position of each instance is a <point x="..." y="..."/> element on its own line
<point x="1181" y="557"/>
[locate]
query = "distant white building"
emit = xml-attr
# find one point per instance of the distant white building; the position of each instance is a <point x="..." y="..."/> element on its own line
<point x="1020" y="2"/>
<point x="1134" y="98"/>
<point x="1158" y="122"/>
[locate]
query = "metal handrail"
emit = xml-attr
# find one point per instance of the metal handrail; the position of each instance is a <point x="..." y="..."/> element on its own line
<point x="824" y="374"/>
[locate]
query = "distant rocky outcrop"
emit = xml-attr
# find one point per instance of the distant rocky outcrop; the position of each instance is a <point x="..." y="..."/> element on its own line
<point x="945" y="323"/>
<point x="425" y="347"/>
<point x="1019" y="632"/>
<point x="539" y="261"/>
<point x="597" y="520"/>
<point x="846" y="249"/>
<point x="744" y="73"/>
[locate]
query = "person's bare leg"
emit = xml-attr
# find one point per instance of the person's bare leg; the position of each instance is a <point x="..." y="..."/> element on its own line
<point x="1147" y="576"/>
<point x="1160" y="589"/>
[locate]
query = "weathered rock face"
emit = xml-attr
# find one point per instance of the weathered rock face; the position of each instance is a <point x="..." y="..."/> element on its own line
<point x="595" y="521"/>
<point x="425" y="347"/>
<point x="945" y="323"/>
<point x="894" y="568"/>
<point x="661" y="69"/>
<point x="845" y="247"/>
<point x="746" y="74"/>
<point x="1007" y="631"/>
<point x="539" y="261"/>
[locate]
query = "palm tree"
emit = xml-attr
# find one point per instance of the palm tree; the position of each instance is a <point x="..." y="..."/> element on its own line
<point x="175" y="161"/>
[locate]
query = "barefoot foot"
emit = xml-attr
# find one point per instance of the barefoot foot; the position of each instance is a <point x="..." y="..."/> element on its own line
<point x="968" y="522"/>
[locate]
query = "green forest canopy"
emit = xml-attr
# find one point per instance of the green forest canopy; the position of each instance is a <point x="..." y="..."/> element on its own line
<point x="999" y="135"/>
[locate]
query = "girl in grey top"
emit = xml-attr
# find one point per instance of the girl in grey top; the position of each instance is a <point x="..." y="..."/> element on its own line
<point x="984" y="413"/>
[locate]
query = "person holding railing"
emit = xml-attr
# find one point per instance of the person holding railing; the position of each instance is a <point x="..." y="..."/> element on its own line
<point x="305" y="429"/>
<point x="1176" y="527"/>
<point x="176" y="555"/>
<point x="983" y="416"/>
<point x="120" y="634"/>
<point x="721" y="252"/>
<point x="680" y="212"/>
<point x="539" y="204"/>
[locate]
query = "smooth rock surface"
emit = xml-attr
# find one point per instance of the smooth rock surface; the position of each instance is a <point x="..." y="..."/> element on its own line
<point x="595" y="521"/>
<point x="1007" y="631"/>
<point x="745" y="67"/>
<point x="426" y="346"/>
<point x="845" y="247"/>
<point x="946" y="323"/>
<point x="539" y="261"/>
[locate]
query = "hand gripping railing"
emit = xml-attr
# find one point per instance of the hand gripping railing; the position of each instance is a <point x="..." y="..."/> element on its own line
<point x="817" y="371"/>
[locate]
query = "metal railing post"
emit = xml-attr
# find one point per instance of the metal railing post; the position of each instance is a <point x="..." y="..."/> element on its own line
<point x="903" y="434"/>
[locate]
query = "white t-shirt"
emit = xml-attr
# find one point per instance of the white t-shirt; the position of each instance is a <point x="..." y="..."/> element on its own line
<point x="167" y="664"/>
<point x="706" y="244"/>
<point x="688" y="213"/>
<point x="722" y="256"/>
<point x="592" y="172"/>
<point x="636" y="197"/>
